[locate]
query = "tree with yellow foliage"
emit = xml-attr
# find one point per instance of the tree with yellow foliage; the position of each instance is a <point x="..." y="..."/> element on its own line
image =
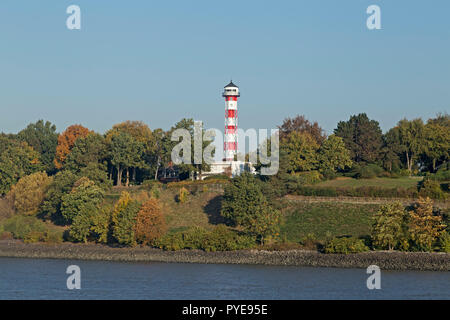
<point x="30" y="191"/>
<point x="425" y="228"/>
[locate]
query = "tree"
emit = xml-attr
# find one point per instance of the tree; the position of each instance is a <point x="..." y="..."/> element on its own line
<point x="301" y="150"/>
<point x="84" y="196"/>
<point x="301" y="125"/>
<point x="411" y="138"/>
<point x="62" y="184"/>
<point x="66" y="141"/>
<point x="124" y="219"/>
<point x="142" y="134"/>
<point x="29" y="192"/>
<point x="44" y="139"/>
<point x="390" y="227"/>
<point x="437" y="139"/>
<point x="92" y="223"/>
<point x="362" y="137"/>
<point x="87" y="150"/>
<point x="150" y="223"/>
<point x="425" y="228"/>
<point x="392" y="149"/>
<point x="126" y="152"/>
<point x="245" y="205"/>
<point x="17" y="159"/>
<point x="333" y="155"/>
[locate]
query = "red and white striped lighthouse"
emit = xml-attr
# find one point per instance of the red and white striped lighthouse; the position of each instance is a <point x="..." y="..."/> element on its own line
<point x="231" y="94"/>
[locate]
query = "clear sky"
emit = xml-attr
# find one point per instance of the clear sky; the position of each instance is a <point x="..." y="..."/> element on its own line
<point x="160" y="61"/>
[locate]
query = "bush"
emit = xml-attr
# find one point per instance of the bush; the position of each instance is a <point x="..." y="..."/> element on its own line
<point x="220" y="238"/>
<point x="345" y="246"/>
<point x="364" y="191"/>
<point x="20" y="226"/>
<point x="444" y="242"/>
<point x="183" y="194"/>
<point x="431" y="188"/>
<point x="29" y="192"/>
<point x="34" y="236"/>
<point x="53" y="236"/>
<point x="368" y="171"/>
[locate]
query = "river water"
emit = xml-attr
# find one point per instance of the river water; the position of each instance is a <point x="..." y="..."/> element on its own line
<point x="47" y="278"/>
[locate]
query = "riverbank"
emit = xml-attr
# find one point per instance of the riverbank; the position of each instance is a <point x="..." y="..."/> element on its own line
<point x="385" y="260"/>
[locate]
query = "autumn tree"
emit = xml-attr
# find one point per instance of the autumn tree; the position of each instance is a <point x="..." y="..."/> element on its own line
<point x="29" y="192"/>
<point x="333" y="155"/>
<point x="124" y="219"/>
<point x="150" y="223"/>
<point x="301" y="125"/>
<point x="42" y="137"/>
<point x="66" y="141"/>
<point x="362" y="137"/>
<point x="425" y="227"/>
<point x="390" y="227"/>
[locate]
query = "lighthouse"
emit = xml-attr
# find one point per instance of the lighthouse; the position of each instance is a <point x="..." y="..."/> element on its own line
<point x="231" y="95"/>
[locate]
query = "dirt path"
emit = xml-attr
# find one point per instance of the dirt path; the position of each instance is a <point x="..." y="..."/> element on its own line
<point x="359" y="200"/>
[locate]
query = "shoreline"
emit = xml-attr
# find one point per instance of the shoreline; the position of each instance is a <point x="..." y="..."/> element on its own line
<point x="418" y="261"/>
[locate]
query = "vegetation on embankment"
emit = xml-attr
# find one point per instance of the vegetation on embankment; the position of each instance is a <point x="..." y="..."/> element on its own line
<point x="385" y="260"/>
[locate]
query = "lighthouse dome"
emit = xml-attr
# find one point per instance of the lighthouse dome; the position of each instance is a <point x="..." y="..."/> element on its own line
<point x="231" y="90"/>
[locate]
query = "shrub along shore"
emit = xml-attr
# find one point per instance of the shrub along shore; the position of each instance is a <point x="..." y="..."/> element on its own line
<point x="385" y="260"/>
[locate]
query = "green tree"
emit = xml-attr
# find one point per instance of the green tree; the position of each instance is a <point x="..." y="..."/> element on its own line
<point x="17" y="159"/>
<point x="362" y="137"/>
<point x="333" y="155"/>
<point x="245" y="205"/>
<point x="62" y="184"/>
<point x="84" y="196"/>
<point x="124" y="219"/>
<point x="44" y="139"/>
<point x="411" y="138"/>
<point x="125" y="153"/>
<point x="392" y="149"/>
<point x="390" y="227"/>
<point x="91" y="149"/>
<point x="301" y="150"/>
<point x="437" y="139"/>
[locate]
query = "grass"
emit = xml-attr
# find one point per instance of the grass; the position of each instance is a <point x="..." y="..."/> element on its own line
<point x="327" y="219"/>
<point x="201" y="209"/>
<point x="403" y="182"/>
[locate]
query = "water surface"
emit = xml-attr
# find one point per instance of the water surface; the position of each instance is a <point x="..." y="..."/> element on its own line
<point x="46" y="279"/>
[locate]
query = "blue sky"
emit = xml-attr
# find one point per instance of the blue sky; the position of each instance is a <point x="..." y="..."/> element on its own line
<point x="160" y="61"/>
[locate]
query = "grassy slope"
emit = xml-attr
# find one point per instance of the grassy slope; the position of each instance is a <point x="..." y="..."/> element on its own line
<point x="404" y="182"/>
<point x="337" y="219"/>
<point x="300" y="219"/>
